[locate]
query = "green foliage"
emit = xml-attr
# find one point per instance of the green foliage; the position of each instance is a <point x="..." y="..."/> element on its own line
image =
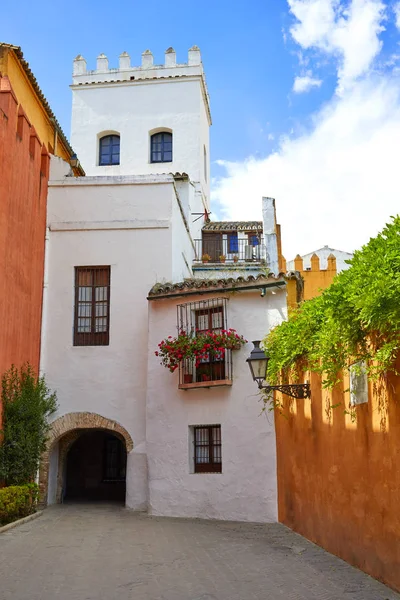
<point x="27" y="404"/>
<point x="356" y="318"/>
<point x="17" y="501"/>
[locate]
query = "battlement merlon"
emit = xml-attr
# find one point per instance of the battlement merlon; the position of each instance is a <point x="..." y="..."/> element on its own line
<point x="147" y="70"/>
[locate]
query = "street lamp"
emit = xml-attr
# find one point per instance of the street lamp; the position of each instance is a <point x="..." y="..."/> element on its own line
<point x="258" y="364"/>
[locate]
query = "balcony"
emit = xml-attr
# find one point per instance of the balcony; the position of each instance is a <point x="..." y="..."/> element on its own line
<point x="207" y="374"/>
<point x="223" y="251"/>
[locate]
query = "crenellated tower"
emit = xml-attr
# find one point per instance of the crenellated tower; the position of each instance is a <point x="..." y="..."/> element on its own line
<point x="146" y="119"/>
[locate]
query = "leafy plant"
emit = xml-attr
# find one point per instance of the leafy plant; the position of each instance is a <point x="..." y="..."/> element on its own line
<point x="17" y="501"/>
<point x="197" y="347"/>
<point x="357" y="318"/>
<point x="27" y="404"/>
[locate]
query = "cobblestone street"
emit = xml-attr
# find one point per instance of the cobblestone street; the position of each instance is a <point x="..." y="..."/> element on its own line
<point x="101" y="552"/>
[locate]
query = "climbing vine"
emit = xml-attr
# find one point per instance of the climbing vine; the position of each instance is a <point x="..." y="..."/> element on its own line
<point x="356" y="318"/>
<point x="27" y="404"/>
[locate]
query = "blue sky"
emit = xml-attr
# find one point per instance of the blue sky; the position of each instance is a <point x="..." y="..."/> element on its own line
<point x="299" y="140"/>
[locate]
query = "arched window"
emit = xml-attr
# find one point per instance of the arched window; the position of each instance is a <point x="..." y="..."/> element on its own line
<point x="109" y="150"/>
<point x="161" y="147"/>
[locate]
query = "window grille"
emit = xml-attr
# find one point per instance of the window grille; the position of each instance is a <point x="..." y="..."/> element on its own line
<point x="207" y="449"/>
<point x="195" y="318"/>
<point x="109" y="150"/>
<point x="92" y="306"/>
<point x="161" y="147"/>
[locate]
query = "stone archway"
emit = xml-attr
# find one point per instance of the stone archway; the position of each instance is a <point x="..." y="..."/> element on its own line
<point x="66" y="430"/>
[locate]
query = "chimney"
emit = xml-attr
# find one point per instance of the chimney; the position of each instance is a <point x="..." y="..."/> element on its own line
<point x="102" y="63"/>
<point x="194" y="57"/>
<point x="79" y="65"/>
<point x="124" y="61"/>
<point x="147" y="59"/>
<point x="170" y="58"/>
<point x="270" y="235"/>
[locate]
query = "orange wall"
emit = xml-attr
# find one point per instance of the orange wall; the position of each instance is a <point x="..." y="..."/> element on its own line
<point x="315" y="279"/>
<point x="339" y="481"/>
<point x="24" y="166"/>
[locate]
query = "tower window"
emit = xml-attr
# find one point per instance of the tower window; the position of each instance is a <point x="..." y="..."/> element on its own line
<point x="109" y="150"/>
<point x="161" y="147"/>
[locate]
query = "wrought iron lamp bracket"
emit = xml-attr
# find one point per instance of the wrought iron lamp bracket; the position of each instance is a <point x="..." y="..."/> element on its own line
<point x="295" y="390"/>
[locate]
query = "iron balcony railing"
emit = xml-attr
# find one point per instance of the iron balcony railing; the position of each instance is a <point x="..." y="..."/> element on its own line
<point x="214" y="370"/>
<point x="224" y="251"/>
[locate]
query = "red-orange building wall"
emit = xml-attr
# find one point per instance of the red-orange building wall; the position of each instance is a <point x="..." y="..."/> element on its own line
<point x="339" y="477"/>
<point x="24" y="170"/>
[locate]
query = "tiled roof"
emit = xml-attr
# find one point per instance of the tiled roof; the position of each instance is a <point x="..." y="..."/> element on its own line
<point x="208" y="286"/>
<point x="233" y="226"/>
<point x="40" y="95"/>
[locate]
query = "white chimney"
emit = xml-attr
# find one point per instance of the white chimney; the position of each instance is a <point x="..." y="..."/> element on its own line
<point x="270" y="236"/>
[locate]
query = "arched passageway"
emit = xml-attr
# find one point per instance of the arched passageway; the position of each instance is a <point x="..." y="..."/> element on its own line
<point x="95" y="468"/>
<point x="80" y="448"/>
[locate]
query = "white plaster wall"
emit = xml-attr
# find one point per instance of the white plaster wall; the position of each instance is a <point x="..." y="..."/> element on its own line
<point x="246" y="490"/>
<point x="126" y="226"/>
<point x="134" y="109"/>
<point x="53" y="472"/>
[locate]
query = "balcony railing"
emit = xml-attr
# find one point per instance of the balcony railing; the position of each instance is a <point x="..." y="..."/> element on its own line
<point x="210" y="373"/>
<point x="223" y="251"/>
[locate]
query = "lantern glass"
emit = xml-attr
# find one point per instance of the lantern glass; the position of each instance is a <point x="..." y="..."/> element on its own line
<point x="258" y="363"/>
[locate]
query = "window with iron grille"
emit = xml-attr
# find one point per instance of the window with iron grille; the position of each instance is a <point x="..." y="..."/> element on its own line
<point x="92" y="306"/>
<point x="207" y="449"/>
<point x="195" y="318"/>
<point x="161" y="147"/>
<point x="109" y="150"/>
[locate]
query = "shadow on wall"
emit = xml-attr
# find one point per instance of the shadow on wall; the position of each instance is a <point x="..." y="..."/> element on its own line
<point x="338" y="478"/>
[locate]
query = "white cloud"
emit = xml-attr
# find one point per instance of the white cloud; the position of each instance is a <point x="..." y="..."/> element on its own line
<point x="338" y="183"/>
<point x="351" y="34"/>
<point x="271" y="137"/>
<point x="305" y="83"/>
<point x="396" y="9"/>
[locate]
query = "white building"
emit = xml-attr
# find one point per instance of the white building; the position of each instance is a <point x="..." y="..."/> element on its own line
<point x="124" y="269"/>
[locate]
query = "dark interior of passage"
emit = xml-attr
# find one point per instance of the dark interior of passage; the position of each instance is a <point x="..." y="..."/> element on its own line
<point x="96" y="468"/>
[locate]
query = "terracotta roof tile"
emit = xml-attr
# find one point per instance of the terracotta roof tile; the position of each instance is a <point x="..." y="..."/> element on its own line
<point x="233" y="226"/>
<point x="204" y="286"/>
<point x="33" y="81"/>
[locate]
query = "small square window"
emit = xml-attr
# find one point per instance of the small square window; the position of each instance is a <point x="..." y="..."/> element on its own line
<point x="207" y="448"/>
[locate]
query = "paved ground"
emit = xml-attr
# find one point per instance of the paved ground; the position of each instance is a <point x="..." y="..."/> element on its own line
<point x="105" y="552"/>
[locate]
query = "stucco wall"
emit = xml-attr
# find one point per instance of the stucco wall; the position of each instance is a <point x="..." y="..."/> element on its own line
<point x="246" y="489"/>
<point x="338" y="480"/>
<point x="23" y="193"/>
<point x="134" y="110"/>
<point x="125" y="223"/>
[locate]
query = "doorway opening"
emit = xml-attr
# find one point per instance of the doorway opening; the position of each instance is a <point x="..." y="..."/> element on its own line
<point x="95" y="468"/>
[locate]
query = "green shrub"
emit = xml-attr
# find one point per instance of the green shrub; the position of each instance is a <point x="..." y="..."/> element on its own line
<point x="27" y="405"/>
<point x="17" y="501"/>
<point x="357" y="318"/>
